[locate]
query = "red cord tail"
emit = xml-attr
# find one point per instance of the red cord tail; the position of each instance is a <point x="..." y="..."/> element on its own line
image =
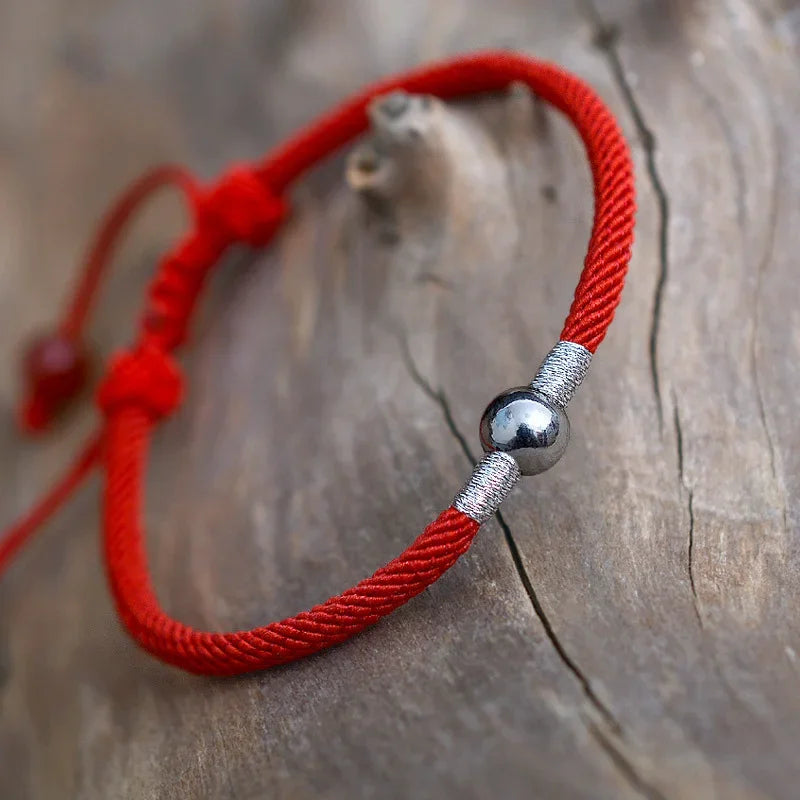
<point x="19" y="533"/>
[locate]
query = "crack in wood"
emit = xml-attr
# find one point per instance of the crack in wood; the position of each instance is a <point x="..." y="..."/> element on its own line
<point x="568" y="661"/>
<point x="605" y="38"/>
<point x="624" y="765"/>
<point x="437" y="396"/>
<point x="690" y="555"/>
<point x="763" y="263"/>
<point x="690" y="507"/>
<point x="690" y="549"/>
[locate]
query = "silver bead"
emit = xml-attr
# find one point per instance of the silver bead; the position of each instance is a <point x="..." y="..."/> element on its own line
<point x="531" y="429"/>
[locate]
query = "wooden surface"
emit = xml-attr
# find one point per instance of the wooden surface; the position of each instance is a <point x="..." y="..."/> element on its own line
<point x="631" y="630"/>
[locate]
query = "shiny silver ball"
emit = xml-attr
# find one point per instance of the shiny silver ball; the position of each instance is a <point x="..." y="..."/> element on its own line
<point x="520" y="422"/>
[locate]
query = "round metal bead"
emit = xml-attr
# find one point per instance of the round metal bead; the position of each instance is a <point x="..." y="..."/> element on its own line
<point x="531" y="429"/>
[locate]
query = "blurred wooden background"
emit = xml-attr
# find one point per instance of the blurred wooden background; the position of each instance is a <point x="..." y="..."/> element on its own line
<point x="645" y="641"/>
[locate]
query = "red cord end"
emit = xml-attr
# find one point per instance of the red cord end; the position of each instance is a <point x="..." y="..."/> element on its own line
<point x="55" y="371"/>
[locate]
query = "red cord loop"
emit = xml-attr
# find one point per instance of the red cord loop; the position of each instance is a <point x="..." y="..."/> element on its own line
<point x="240" y="207"/>
<point x="244" y="206"/>
<point x="146" y="378"/>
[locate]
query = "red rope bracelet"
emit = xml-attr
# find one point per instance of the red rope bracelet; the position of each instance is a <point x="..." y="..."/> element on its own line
<point x="143" y="384"/>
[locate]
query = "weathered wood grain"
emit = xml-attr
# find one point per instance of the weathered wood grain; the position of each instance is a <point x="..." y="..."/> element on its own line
<point x="629" y="628"/>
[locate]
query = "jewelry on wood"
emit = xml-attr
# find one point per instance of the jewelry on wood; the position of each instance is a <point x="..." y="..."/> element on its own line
<point x="524" y="431"/>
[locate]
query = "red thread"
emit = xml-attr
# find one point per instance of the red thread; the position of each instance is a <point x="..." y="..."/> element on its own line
<point x="146" y="378"/>
<point x="144" y="384"/>
<point x="56" y="366"/>
<point x="241" y="207"/>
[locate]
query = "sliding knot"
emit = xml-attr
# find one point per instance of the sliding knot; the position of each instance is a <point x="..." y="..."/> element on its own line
<point x="240" y="207"/>
<point x="147" y="378"/>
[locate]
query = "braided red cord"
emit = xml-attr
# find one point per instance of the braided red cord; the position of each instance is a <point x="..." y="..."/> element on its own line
<point x="144" y="384"/>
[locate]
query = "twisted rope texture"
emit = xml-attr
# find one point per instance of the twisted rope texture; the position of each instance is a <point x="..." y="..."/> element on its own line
<point x="330" y="623"/>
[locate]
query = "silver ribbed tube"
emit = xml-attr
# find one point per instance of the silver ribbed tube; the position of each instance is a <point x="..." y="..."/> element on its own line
<point x="562" y="372"/>
<point x="492" y="479"/>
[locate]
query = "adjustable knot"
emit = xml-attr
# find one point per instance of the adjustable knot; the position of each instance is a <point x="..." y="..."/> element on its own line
<point x="55" y="370"/>
<point x="146" y="378"/>
<point x="241" y="207"/>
